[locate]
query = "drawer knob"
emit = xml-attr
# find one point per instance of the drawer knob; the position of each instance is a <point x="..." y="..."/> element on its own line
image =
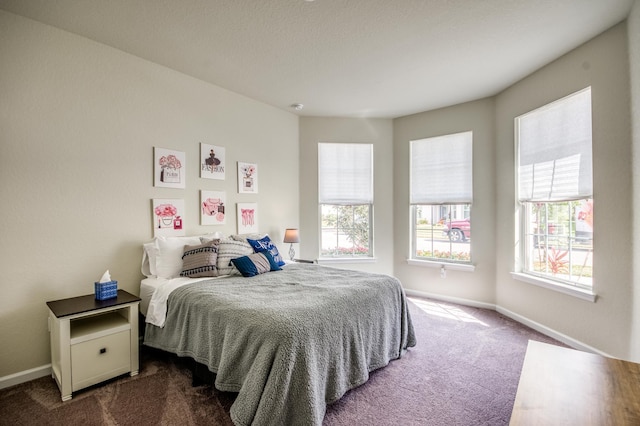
<point x="103" y="350"/>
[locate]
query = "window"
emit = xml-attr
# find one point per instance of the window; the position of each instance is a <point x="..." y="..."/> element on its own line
<point x="345" y="188"/>
<point x="441" y="194"/>
<point x="555" y="191"/>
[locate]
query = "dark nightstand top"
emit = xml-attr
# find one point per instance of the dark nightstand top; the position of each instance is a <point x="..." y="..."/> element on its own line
<point x="80" y="304"/>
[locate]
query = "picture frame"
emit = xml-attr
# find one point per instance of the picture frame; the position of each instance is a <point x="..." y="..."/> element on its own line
<point x="168" y="217"/>
<point x="169" y="168"/>
<point x="213" y="208"/>
<point x="247" y="178"/>
<point x="247" y="218"/>
<point x="212" y="162"/>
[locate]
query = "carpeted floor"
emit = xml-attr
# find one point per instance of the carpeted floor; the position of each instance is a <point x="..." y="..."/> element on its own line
<point x="463" y="371"/>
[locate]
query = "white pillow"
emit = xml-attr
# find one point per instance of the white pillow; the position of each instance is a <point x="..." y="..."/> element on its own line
<point x="169" y="257"/>
<point x="243" y="237"/>
<point x="149" y="254"/>
<point x="212" y="236"/>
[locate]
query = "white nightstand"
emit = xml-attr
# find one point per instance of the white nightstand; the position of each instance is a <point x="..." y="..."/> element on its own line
<point x="93" y="340"/>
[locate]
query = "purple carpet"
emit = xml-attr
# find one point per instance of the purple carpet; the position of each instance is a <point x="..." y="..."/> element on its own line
<point x="463" y="371"/>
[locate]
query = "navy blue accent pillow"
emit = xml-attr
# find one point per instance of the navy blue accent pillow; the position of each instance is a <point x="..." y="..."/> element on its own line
<point x="266" y="244"/>
<point x="255" y="264"/>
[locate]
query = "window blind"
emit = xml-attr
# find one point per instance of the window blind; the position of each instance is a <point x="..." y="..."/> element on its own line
<point x="441" y="170"/>
<point x="554" y="150"/>
<point x="345" y="173"/>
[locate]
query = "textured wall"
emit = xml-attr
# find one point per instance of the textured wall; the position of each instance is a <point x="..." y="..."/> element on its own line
<point x="478" y="117"/>
<point x="633" y="28"/>
<point x="79" y="122"/>
<point x="606" y="325"/>
<point x="601" y="63"/>
<point x="375" y="131"/>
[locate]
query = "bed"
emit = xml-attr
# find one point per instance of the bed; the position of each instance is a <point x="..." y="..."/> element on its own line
<point x="288" y="341"/>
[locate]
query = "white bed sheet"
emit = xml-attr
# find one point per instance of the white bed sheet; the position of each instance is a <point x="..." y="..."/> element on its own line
<point x="154" y="293"/>
<point x="147" y="287"/>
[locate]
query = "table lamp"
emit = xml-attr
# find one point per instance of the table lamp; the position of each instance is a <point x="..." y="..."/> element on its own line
<point x="291" y="236"/>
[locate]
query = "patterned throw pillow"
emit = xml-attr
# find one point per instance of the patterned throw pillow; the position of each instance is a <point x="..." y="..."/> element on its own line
<point x="230" y="249"/>
<point x="266" y="244"/>
<point x="200" y="260"/>
<point x="255" y="264"/>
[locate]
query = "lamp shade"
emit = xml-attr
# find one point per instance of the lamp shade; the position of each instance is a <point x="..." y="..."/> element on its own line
<point x="291" y="236"/>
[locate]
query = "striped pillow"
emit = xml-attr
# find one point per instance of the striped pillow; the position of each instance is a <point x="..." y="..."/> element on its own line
<point x="200" y="260"/>
<point x="230" y="249"/>
<point x="255" y="264"/>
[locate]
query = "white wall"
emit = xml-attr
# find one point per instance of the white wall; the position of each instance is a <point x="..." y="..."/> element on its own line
<point x="478" y="286"/>
<point x="375" y="131"/>
<point x="633" y="23"/>
<point x="611" y="324"/>
<point x="601" y="63"/>
<point x="78" y="122"/>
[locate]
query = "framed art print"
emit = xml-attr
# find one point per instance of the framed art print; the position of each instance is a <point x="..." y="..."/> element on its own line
<point x="213" y="207"/>
<point x="247" y="218"/>
<point x="247" y="178"/>
<point x="168" y="168"/>
<point x="168" y="217"/>
<point x="212" y="163"/>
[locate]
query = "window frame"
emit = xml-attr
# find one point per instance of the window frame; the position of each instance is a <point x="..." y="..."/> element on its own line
<point x="522" y="272"/>
<point x="414" y="235"/>
<point x="463" y="197"/>
<point x="355" y="200"/>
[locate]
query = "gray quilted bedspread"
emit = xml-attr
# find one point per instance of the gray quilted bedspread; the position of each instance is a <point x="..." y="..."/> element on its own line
<point x="289" y="342"/>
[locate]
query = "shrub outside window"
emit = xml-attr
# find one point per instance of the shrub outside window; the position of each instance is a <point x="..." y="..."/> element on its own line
<point x="346" y="230"/>
<point x="559" y="241"/>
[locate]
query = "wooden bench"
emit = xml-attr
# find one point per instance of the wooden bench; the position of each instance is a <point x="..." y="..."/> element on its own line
<point x="560" y="386"/>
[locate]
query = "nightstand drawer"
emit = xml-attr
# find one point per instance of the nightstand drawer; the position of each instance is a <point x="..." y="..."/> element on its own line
<point x="100" y="359"/>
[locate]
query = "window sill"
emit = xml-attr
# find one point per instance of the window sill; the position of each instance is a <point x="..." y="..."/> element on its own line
<point x="336" y="260"/>
<point x="446" y="265"/>
<point x="555" y="286"/>
<point x="288" y="261"/>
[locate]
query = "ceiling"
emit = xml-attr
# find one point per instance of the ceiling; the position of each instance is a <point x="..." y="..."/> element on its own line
<point x="341" y="58"/>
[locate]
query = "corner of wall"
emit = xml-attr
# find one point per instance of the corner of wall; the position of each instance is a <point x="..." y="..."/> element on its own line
<point x="633" y="33"/>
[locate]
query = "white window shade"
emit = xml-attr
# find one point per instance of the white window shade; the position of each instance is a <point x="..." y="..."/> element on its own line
<point x="555" y="159"/>
<point x="441" y="169"/>
<point x="345" y="173"/>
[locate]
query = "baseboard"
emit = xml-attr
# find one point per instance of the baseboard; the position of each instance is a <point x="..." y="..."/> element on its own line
<point x="569" y="341"/>
<point x="457" y="300"/>
<point x="25" y="376"/>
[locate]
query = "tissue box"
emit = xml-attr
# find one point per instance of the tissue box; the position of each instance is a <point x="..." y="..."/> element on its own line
<point x="107" y="290"/>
